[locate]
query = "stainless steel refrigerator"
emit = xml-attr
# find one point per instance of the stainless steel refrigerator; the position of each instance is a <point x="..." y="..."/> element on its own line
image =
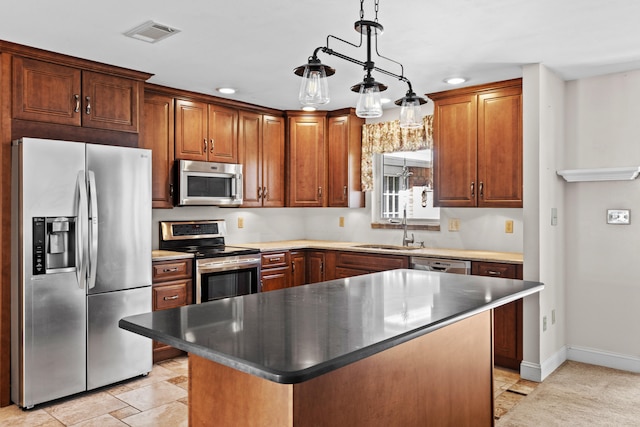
<point x="81" y="260"/>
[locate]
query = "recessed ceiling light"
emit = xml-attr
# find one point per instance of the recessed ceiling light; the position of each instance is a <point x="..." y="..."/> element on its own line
<point x="226" y="90"/>
<point x="455" y="80"/>
<point x="308" y="108"/>
<point x="385" y="100"/>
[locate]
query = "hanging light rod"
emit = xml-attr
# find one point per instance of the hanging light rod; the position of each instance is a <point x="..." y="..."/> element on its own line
<point x="314" y="89"/>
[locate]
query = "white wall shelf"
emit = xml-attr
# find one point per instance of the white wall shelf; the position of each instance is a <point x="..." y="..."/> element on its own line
<point x="600" y="174"/>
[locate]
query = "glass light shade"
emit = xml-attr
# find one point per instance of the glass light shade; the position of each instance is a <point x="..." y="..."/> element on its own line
<point x="314" y="88"/>
<point x="410" y="114"/>
<point x="369" y="105"/>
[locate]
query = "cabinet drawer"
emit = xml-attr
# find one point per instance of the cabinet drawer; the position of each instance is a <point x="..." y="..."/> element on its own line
<point x="171" y="270"/>
<point x="170" y="295"/>
<point x="371" y="262"/>
<point x="494" y="269"/>
<point x="275" y="259"/>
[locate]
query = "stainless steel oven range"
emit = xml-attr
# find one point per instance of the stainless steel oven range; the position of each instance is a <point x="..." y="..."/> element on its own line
<point x="220" y="270"/>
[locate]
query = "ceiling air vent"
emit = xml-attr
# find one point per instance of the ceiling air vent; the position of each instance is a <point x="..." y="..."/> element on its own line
<point x="151" y="32"/>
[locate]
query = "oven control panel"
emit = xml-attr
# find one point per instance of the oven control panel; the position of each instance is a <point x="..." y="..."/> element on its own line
<point x="182" y="230"/>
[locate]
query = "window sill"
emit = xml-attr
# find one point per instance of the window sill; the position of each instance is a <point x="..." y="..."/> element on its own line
<point x="389" y="226"/>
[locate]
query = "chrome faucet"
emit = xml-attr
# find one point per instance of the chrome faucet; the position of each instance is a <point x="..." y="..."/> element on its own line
<point x="405" y="239"/>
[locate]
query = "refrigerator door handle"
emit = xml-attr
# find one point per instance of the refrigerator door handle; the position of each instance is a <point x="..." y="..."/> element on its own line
<point x="83" y="227"/>
<point x="93" y="235"/>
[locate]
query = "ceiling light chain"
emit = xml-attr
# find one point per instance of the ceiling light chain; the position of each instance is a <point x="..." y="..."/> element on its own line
<point x="314" y="89"/>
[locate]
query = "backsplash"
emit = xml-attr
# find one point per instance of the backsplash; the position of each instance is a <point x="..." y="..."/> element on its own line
<point x="480" y="228"/>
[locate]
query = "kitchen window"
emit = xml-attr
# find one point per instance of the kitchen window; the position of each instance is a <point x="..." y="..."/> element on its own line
<point x="403" y="180"/>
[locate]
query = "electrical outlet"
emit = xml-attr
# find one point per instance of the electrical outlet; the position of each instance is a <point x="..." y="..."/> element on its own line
<point x="544" y="323"/>
<point x="553" y="317"/>
<point x="240" y="222"/>
<point x="341" y="221"/>
<point x="508" y="226"/>
<point x="554" y="216"/>
<point x="454" y="224"/>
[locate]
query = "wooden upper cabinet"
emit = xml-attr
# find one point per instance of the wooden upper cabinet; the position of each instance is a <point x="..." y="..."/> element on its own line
<point x="110" y="102"/>
<point x="191" y="138"/>
<point x="500" y="148"/>
<point x="344" y="160"/>
<point x="261" y="151"/>
<point x="60" y="94"/>
<point x="307" y="161"/>
<point x="250" y="151"/>
<point x="273" y="161"/>
<point x="477" y="137"/>
<point x="46" y="92"/>
<point x="455" y="153"/>
<point x="206" y="132"/>
<point x="158" y="136"/>
<point x="223" y="134"/>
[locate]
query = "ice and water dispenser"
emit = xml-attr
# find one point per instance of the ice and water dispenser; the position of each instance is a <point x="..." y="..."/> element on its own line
<point x="54" y="244"/>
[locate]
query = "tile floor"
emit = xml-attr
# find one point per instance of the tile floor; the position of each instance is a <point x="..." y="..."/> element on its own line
<point x="160" y="399"/>
<point x="508" y="390"/>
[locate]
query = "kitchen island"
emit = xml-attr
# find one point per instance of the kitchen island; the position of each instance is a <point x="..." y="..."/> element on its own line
<point x="400" y="347"/>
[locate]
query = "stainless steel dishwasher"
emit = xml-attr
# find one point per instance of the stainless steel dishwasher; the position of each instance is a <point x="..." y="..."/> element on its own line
<point x="455" y="266"/>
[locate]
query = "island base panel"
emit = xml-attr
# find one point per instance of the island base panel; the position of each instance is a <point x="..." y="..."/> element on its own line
<point x="442" y="378"/>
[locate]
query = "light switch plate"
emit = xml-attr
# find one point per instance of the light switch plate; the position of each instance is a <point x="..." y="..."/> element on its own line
<point x="618" y="216"/>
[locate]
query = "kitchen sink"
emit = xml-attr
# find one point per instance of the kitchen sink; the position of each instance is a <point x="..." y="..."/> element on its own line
<point x="388" y="247"/>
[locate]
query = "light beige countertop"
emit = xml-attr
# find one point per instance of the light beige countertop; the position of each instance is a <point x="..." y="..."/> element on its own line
<point x="462" y="254"/>
<point x="161" y="255"/>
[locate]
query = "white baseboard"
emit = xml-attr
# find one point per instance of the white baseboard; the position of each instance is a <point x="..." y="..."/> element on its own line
<point x="538" y="372"/>
<point x="607" y="359"/>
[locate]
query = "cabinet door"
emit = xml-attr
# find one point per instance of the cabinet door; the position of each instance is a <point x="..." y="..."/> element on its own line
<point x="338" y="146"/>
<point x="46" y="92"/>
<point x="306" y="162"/>
<point x="223" y="134"/>
<point x="500" y="149"/>
<point x="275" y="278"/>
<point x="157" y="135"/>
<point x="110" y="102"/>
<point x="250" y="155"/>
<point x="455" y="151"/>
<point x="298" y="270"/>
<point x="315" y="266"/>
<point x="507" y="319"/>
<point x="273" y="162"/>
<point x="191" y="130"/>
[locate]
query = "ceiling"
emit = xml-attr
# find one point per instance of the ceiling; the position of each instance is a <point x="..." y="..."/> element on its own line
<point x="254" y="45"/>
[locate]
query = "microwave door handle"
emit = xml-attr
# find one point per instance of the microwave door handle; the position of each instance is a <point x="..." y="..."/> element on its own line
<point x="93" y="236"/>
<point x="82" y="228"/>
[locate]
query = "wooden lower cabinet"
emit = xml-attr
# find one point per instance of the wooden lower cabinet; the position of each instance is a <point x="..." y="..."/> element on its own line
<point x="276" y="271"/>
<point x="350" y="264"/>
<point x="298" y="268"/>
<point x="507" y="319"/>
<point x="172" y="287"/>
<point x="316" y="266"/>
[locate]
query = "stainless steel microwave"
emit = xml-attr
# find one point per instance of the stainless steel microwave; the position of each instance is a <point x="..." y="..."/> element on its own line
<point x="209" y="184"/>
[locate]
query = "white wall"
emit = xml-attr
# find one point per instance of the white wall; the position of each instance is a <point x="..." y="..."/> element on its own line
<point x="480" y="229"/>
<point x="602" y="261"/>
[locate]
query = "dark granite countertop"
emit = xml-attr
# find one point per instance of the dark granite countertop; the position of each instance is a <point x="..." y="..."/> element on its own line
<point x="295" y="334"/>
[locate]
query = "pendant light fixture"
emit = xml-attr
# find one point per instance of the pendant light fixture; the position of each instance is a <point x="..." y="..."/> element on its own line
<point x="314" y="88"/>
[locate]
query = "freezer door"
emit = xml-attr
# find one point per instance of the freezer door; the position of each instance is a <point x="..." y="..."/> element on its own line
<point x="48" y="310"/>
<point x="122" y="230"/>
<point x="114" y="354"/>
